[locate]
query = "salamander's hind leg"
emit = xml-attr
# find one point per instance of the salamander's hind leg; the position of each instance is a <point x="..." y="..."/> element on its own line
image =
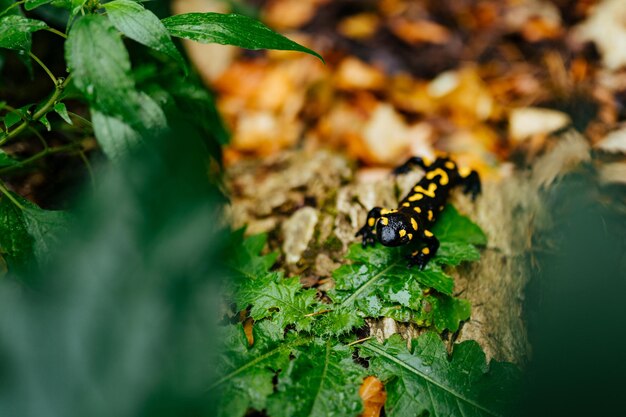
<point x="368" y="231"/>
<point x="410" y="163"/>
<point x="471" y="184"/>
<point x="421" y="256"/>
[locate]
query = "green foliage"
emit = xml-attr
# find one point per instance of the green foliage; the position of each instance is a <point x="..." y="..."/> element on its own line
<point x="378" y="283"/>
<point x="125" y="109"/>
<point x="426" y="380"/>
<point x="230" y="29"/>
<point x="321" y="381"/>
<point x="126" y="308"/>
<point x="248" y="371"/>
<point x="302" y="343"/>
<point x="16" y="30"/>
<point x="141" y="25"/>
<point x="28" y="233"/>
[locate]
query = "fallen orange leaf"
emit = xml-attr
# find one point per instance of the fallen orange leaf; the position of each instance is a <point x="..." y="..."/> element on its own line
<point x="373" y="394"/>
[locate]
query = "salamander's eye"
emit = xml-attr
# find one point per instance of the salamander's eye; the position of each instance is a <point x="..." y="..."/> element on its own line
<point x="392" y="230"/>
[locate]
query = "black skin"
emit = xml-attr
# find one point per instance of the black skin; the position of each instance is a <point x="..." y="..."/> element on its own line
<point x="411" y="222"/>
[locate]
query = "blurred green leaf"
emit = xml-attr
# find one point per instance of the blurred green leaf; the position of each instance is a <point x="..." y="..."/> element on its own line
<point x="28" y="233"/>
<point x="16" y="30"/>
<point x="141" y="25"/>
<point x="230" y="29"/>
<point x="33" y="4"/>
<point x="425" y="380"/>
<point x="11" y="119"/>
<point x="122" y="322"/>
<point x="6" y="160"/>
<point x="100" y="65"/>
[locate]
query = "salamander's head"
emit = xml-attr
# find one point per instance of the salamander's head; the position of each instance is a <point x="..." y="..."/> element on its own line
<point x="394" y="229"/>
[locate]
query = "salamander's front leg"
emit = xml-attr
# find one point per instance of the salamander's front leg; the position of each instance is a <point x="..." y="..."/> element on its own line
<point x="422" y="256"/>
<point x="368" y="231"/>
<point x="471" y="184"/>
<point x="410" y="163"/>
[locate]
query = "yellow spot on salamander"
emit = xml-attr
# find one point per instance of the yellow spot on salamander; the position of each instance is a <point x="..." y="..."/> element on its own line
<point x="384" y="221"/>
<point x="402" y="233"/>
<point x="386" y="211"/>
<point x="371" y="221"/>
<point x="430" y="192"/>
<point x="406" y="204"/>
<point x="416" y="197"/>
<point x="430" y="215"/>
<point x="440" y="208"/>
<point x="464" y="172"/>
<point x="425" y="251"/>
<point x="450" y="165"/>
<point x="417" y="209"/>
<point x="413" y="223"/>
<point x="428" y="233"/>
<point x="443" y="176"/>
<point x="410" y="236"/>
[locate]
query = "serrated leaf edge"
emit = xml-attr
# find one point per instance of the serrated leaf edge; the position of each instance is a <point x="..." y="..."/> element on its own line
<point x="382" y="353"/>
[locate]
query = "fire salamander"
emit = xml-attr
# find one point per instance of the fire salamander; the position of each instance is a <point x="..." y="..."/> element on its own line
<point x="412" y="220"/>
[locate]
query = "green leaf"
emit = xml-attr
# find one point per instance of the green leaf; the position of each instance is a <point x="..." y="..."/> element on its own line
<point x="101" y="67"/>
<point x="322" y="381"/>
<point x="28" y="233"/>
<point x="61" y="110"/>
<point x="230" y="29"/>
<point x="15" y="32"/>
<point x="44" y="121"/>
<point x="425" y="380"/>
<point x="246" y="263"/>
<point x="10" y="119"/>
<point x="33" y="4"/>
<point x="282" y="299"/>
<point x="99" y="63"/>
<point x="143" y="26"/>
<point x="378" y="282"/>
<point x="114" y="135"/>
<point x="453" y="227"/>
<point x="6" y="160"/>
<point x="246" y="373"/>
<point x="454" y="253"/>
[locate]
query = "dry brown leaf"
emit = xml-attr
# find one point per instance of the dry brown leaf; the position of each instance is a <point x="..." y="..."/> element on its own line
<point x="373" y="394"/>
<point x="419" y="31"/>
<point x="247" y="329"/>
<point x="290" y="14"/>
<point x="359" y="26"/>
<point x="605" y="27"/>
<point x="614" y="142"/>
<point x="529" y="121"/>
<point x="354" y="74"/>
<point x="539" y="29"/>
<point x="386" y="136"/>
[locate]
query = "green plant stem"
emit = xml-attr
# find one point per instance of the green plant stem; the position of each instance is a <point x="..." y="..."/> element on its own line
<point x="4" y="190"/>
<point x="16" y="4"/>
<point x="56" y="32"/>
<point x="80" y="119"/>
<point x="38" y="156"/>
<point x="41" y="112"/>
<point x="45" y="68"/>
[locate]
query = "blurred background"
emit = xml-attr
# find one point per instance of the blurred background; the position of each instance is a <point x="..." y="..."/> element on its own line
<point x="122" y="322"/>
